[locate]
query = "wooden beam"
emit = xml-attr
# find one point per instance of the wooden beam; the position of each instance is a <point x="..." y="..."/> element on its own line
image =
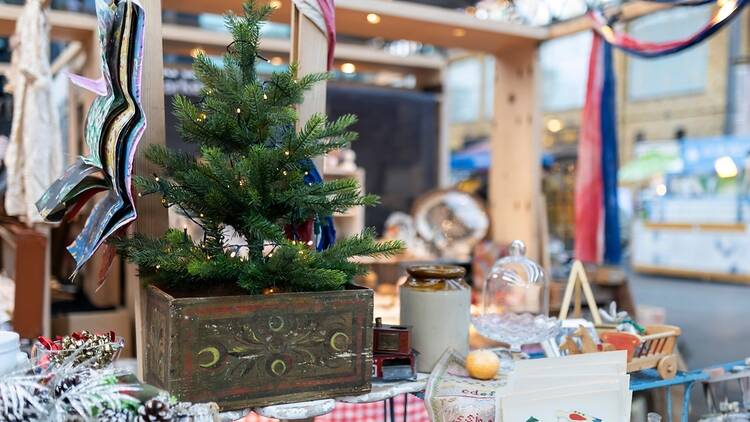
<point x="400" y="20"/>
<point x="626" y="12"/>
<point x="180" y="39"/>
<point x="309" y="50"/>
<point x="65" y="25"/>
<point x="152" y="216"/>
<point x="515" y="173"/>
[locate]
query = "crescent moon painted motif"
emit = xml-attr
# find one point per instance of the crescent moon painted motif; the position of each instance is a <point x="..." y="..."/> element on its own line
<point x="336" y="345"/>
<point x="215" y="356"/>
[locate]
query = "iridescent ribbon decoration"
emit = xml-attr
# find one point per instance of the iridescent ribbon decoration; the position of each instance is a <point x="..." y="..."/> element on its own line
<point x="597" y="226"/>
<point x="114" y="125"/>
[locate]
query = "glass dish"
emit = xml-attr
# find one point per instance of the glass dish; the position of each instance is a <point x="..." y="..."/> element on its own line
<point x="516" y="330"/>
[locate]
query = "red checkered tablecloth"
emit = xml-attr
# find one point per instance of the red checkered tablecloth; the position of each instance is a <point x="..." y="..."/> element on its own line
<point x="366" y="412"/>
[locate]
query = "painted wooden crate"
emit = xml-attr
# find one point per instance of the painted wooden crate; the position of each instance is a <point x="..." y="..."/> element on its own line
<point x="245" y="351"/>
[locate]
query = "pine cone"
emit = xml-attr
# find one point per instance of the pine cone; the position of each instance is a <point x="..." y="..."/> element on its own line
<point x="66" y="384"/>
<point x="112" y="415"/>
<point x="154" y="410"/>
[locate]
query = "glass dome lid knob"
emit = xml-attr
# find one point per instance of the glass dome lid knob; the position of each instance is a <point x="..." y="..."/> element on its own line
<point x="517" y="248"/>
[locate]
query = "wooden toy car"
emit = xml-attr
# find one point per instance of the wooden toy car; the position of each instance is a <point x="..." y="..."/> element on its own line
<point x="655" y="349"/>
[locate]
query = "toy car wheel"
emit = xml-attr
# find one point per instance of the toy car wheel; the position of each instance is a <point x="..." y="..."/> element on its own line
<point x="667" y="367"/>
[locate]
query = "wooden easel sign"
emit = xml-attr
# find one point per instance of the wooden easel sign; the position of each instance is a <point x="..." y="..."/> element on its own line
<point x="577" y="282"/>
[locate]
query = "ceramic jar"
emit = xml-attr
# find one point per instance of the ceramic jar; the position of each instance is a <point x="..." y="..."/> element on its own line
<point x="435" y="302"/>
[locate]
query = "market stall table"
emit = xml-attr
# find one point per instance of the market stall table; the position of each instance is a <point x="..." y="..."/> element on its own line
<point x="649" y="379"/>
<point x="381" y="391"/>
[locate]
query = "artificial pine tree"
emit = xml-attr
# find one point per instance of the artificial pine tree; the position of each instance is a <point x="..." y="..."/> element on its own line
<point x="253" y="177"/>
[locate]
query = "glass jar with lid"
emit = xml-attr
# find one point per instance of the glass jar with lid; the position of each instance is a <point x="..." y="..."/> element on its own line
<point x="515" y="301"/>
<point x="516" y="284"/>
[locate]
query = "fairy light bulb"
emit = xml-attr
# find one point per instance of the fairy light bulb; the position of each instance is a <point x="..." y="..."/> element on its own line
<point x="238" y="110"/>
<point x="265" y="97"/>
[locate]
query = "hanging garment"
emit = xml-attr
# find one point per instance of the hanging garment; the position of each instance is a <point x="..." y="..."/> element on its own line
<point x="34" y="157"/>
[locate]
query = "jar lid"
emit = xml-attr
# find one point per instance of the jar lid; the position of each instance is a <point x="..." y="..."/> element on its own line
<point x="436" y="271"/>
<point x="10" y="341"/>
<point x="516" y="269"/>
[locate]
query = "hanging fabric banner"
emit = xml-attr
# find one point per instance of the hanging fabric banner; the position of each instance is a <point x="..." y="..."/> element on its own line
<point x="597" y="226"/>
<point x="589" y="187"/>
<point x="724" y="13"/>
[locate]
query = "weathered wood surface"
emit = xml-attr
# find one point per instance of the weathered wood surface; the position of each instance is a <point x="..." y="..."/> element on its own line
<point x="249" y="351"/>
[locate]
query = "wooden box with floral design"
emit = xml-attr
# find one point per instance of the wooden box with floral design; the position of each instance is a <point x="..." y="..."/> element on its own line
<point x="247" y="351"/>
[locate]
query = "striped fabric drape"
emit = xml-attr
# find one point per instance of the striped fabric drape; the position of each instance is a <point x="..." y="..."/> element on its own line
<point x="597" y="226"/>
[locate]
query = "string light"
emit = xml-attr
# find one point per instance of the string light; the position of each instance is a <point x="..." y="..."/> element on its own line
<point x="286" y="152"/>
<point x="201" y="215"/>
<point x="306" y="173"/>
<point x="310" y="243"/>
<point x="238" y="110"/>
<point x="373" y="18"/>
<point x="158" y="266"/>
<point x="284" y="172"/>
<point x="140" y="194"/>
<point x="265" y="97"/>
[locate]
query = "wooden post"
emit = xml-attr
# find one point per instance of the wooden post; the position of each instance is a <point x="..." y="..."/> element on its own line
<point x="444" y="147"/>
<point x="309" y="50"/>
<point x="515" y="173"/>
<point x="152" y="216"/>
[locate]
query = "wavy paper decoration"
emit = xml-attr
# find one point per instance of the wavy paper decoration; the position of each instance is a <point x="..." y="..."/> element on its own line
<point x="114" y="125"/>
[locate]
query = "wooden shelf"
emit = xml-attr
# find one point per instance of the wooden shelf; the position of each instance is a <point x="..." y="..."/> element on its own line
<point x="400" y="20"/>
<point x="181" y="39"/>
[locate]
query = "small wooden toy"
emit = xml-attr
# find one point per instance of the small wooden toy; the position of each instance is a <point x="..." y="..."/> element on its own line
<point x="569" y="347"/>
<point x="656" y="350"/>
<point x="394" y="366"/>
<point x="390" y="339"/>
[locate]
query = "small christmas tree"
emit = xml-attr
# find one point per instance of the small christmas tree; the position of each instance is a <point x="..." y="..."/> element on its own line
<point x="254" y="176"/>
